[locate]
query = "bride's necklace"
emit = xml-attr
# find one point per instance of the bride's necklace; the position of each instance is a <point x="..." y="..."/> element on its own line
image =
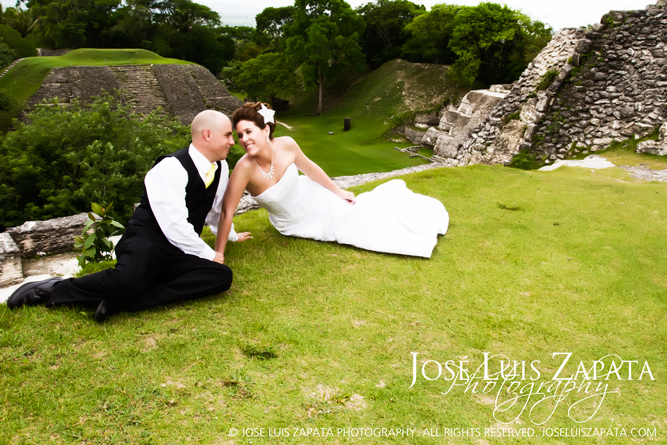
<point x="268" y="175"/>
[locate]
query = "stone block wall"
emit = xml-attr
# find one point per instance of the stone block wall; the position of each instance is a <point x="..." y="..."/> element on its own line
<point x="11" y="268"/>
<point x="36" y="238"/>
<point x="618" y="90"/>
<point x="82" y="82"/>
<point x="512" y="122"/>
<point x="182" y="90"/>
<point x="52" y="236"/>
<point x="586" y="89"/>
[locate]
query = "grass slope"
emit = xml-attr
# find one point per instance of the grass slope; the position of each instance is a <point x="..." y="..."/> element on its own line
<point x="318" y="335"/>
<point x="27" y="76"/>
<point x="376" y="104"/>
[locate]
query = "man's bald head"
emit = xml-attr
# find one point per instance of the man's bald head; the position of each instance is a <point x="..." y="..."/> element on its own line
<point x="207" y="120"/>
<point x="212" y="134"/>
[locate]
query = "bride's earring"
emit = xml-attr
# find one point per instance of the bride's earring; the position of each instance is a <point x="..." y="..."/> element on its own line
<point x="268" y="139"/>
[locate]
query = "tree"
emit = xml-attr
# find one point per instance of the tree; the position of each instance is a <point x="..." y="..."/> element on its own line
<point x="270" y="24"/>
<point x="243" y="38"/>
<point x="266" y="76"/>
<point x="323" y="40"/>
<point x="429" y="36"/>
<point x="184" y="15"/>
<point x="491" y="41"/>
<point x="71" y="23"/>
<point x="385" y="32"/>
<point x="19" y="19"/>
<point x="134" y="26"/>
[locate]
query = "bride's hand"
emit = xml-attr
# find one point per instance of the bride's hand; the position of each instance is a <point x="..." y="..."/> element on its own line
<point x="347" y="196"/>
<point x="243" y="236"/>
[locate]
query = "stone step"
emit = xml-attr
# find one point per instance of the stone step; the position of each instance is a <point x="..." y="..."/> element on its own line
<point x="454" y="119"/>
<point x="140" y="87"/>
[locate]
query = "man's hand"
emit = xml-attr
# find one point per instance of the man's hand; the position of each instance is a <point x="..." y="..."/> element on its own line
<point x="219" y="258"/>
<point x="243" y="236"/>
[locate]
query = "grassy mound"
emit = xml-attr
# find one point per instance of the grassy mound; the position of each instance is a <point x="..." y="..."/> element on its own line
<point x="318" y="335"/>
<point x="27" y="76"/>
<point x="376" y="104"/>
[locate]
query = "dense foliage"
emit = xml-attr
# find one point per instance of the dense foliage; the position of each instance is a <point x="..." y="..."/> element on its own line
<point x="494" y="44"/>
<point x="387" y="28"/>
<point x="22" y="47"/>
<point x="319" y="40"/>
<point x="67" y="157"/>
<point x="94" y="242"/>
<point x="323" y="40"/>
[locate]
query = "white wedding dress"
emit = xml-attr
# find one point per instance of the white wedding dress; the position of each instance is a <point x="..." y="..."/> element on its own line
<point x="390" y="219"/>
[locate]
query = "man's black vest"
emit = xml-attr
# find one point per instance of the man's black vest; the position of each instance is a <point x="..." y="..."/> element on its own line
<point x="198" y="198"/>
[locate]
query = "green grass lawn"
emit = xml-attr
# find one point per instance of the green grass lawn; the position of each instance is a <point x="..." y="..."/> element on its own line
<point x="27" y="76"/>
<point x="360" y="150"/>
<point x="318" y="335"/>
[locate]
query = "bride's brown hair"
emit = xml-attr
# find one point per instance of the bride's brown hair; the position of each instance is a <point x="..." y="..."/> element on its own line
<point x="249" y="112"/>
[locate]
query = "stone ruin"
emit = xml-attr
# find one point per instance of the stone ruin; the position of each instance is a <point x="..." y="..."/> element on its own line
<point x="181" y="90"/>
<point x="454" y="123"/>
<point x="585" y="90"/>
<point x="34" y="238"/>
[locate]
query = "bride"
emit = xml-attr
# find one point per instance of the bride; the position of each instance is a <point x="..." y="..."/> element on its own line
<point x="390" y="219"/>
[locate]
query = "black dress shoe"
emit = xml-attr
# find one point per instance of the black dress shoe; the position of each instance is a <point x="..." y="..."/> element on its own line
<point x="106" y="309"/>
<point x="32" y="294"/>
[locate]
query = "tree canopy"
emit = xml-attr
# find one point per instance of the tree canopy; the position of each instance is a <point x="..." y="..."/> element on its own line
<point x="489" y="41"/>
<point x="270" y="24"/>
<point x="267" y="76"/>
<point x="386" y="28"/>
<point x="323" y="40"/>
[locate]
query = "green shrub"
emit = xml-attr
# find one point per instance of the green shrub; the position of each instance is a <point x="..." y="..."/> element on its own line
<point x="91" y="268"/>
<point x="7" y="55"/>
<point x="547" y="79"/>
<point x="512" y="117"/>
<point x="94" y="242"/>
<point x="64" y="158"/>
<point x="525" y="160"/>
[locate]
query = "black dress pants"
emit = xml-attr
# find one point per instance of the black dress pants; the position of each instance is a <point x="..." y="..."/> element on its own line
<point x="149" y="272"/>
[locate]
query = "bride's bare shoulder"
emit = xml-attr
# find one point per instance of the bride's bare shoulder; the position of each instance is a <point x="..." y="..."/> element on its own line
<point x="243" y="164"/>
<point x="287" y="141"/>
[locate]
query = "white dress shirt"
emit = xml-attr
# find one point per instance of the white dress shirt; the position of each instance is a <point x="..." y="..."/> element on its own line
<point x="165" y="187"/>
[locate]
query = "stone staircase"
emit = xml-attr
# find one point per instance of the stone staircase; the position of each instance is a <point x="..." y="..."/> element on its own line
<point x="140" y="87"/>
<point x="11" y="65"/>
<point x="456" y="123"/>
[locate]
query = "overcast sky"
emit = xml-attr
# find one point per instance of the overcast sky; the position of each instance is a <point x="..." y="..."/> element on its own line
<point x="556" y="13"/>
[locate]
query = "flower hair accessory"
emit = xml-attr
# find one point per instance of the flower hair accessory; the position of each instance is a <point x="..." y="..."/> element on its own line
<point x="267" y="114"/>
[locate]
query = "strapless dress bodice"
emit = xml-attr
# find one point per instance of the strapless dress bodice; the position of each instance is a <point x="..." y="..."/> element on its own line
<point x="286" y="200"/>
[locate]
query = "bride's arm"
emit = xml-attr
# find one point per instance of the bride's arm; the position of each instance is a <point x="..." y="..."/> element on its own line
<point x="315" y="172"/>
<point x="237" y="184"/>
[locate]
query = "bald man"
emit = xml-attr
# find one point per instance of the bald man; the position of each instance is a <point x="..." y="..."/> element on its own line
<point x="161" y="257"/>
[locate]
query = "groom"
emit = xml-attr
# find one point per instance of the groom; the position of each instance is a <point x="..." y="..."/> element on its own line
<point x="160" y="259"/>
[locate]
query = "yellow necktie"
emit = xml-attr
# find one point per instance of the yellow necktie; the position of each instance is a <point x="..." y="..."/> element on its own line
<point x="210" y="175"/>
